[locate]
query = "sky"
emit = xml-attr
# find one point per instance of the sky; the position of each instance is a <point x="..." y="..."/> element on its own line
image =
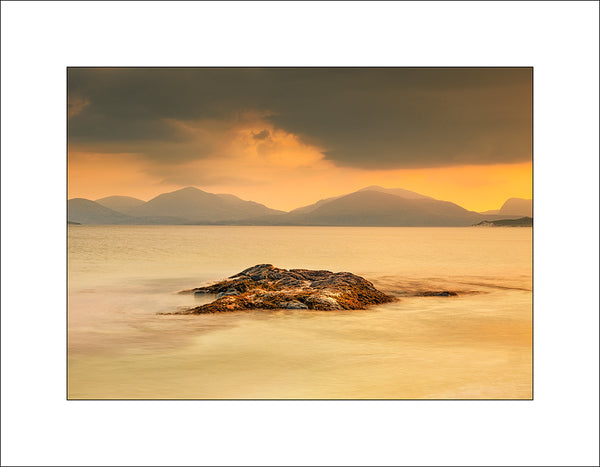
<point x="287" y="137"/>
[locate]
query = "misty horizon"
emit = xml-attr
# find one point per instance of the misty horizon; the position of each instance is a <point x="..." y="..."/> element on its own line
<point x="369" y="206"/>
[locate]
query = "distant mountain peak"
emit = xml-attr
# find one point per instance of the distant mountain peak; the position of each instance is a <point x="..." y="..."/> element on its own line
<point x="396" y="191"/>
<point x="188" y="189"/>
<point x="517" y="200"/>
<point x="120" y="203"/>
<point x="199" y="206"/>
<point x="517" y="206"/>
<point x="379" y="208"/>
<point x="119" y="197"/>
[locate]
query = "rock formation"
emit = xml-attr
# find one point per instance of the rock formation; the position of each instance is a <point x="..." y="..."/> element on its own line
<point x="521" y="222"/>
<point x="265" y="286"/>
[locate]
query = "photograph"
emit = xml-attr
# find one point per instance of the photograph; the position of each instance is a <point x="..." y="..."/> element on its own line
<point x="299" y="233"/>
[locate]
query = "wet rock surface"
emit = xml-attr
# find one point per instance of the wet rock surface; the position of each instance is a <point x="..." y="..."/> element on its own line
<point x="265" y="286"/>
<point x="443" y="293"/>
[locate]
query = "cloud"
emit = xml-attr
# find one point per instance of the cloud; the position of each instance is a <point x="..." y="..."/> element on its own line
<point x="372" y="118"/>
<point x="75" y="105"/>
<point x="261" y="135"/>
<point x="209" y="152"/>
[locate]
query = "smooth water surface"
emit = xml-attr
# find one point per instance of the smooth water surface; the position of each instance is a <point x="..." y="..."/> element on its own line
<point x="476" y="345"/>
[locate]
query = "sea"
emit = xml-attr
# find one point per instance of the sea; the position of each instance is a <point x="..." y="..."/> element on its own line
<point x="477" y="345"/>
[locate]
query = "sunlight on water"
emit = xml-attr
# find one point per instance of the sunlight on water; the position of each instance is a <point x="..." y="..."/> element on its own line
<point x="477" y="345"/>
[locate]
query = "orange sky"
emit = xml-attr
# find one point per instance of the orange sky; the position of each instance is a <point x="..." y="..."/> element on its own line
<point x="284" y="173"/>
<point x="476" y="188"/>
<point x="289" y="137"/>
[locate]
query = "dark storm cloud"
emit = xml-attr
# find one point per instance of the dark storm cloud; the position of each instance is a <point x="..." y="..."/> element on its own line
<point x="361" y="117"/>
<point x="261" y="136"/>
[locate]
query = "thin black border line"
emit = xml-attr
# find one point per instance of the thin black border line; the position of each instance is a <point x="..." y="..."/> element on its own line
<point x="532" y="237"/>
<point x="301" y="1"/>
<point x="293" y="400"/>
<point x="67" y="231"/>
<point x="299" y="67"/>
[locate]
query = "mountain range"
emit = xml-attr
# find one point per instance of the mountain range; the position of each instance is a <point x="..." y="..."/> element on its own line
<point x="186" y="206"/>
<point x="370" y="206"/>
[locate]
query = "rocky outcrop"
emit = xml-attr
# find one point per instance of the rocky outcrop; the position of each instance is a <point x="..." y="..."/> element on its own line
<point x="521" y="222"/>
<point x="433" y="293"/>
<point x="265" y="286"/>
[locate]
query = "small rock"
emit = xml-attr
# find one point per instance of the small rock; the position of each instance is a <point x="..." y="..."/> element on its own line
<point x="445" y="293"/>
<point x="295" y="305"/>
<point x="227" y="292"/>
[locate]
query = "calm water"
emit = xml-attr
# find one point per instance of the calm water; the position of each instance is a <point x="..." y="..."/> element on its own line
<point x="477" y="345"/>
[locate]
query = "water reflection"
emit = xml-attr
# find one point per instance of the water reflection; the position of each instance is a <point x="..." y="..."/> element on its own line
<point x="470" y="346"/>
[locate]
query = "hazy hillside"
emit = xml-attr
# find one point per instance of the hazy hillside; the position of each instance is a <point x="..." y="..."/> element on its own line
<point x="312" y="207"/>
<point x="517" y="206"/>
<point x="120" y="203"/>
<point x="377" y="208"/>
<point x="199" y="206"/>
<point x="392" y="191"/>
<point x="228" y="196"/>
<point x="370" y="206"/>
<point x="85" y="211"/>
<point x="374" y="208"/>
<point x="513" y="207"/>
<point x="397" y="191"/>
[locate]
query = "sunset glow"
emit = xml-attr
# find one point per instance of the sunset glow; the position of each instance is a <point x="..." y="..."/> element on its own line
<point x="477" y="188"/>
<point x="272" y="154"/>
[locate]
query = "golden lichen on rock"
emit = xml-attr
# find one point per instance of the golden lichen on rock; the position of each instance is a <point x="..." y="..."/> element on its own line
<point x="265" y="286"/>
